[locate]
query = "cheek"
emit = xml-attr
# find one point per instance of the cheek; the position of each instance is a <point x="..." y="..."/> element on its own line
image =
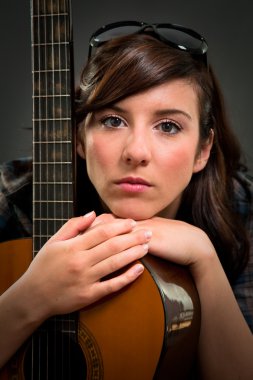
<point x="180" y="160"/>
<point x="98" y="156"/>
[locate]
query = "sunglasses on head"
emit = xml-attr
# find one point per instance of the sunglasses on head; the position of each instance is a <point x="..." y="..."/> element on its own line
<point x="176" y="36"/>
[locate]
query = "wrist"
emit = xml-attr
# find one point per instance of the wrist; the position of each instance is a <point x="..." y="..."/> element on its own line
<point x="30" y="303"/>
<point x="204" y="256"/>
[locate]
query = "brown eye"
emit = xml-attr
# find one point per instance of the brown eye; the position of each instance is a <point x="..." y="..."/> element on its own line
<point x="112" y="122"/>
<point x="169" y="127"/>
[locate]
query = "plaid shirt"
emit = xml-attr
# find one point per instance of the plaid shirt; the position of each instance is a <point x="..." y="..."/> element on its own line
<point x="16" y="218"/>
<point x="16" y="199"/>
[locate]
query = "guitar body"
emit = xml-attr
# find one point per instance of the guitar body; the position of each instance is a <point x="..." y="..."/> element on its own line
<point x="142" y="332"/>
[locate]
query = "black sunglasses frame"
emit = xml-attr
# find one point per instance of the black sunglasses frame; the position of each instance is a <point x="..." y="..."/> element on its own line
<point x="152" y="29"/>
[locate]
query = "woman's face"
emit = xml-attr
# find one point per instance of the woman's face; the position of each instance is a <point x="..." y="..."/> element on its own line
<point x="142" y="151"/>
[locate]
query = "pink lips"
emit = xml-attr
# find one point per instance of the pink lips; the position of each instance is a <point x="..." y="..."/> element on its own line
<point x="133" y="184"/>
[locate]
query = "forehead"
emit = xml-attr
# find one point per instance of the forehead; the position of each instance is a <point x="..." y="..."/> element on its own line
<point x="177" y="94"/>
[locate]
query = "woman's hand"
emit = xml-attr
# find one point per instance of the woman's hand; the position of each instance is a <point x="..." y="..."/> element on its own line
<point x="65" y="275"/>
<point x="178" y="242"/>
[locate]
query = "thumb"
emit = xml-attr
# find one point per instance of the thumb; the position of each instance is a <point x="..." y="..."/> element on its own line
<point x="73" y="227"/>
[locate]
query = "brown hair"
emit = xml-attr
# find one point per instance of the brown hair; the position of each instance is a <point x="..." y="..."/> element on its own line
<point x="129" y="65"/>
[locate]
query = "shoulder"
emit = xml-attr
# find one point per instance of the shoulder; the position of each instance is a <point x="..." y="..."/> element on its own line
<point x="243" y="195"/>
<point x="15" y="198"/>
<point x="243" y="201"/>
<point x="14" y="175"/>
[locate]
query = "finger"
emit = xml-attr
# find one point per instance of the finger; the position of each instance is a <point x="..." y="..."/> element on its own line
<point x="116" y="283"/>
<point x="74" y="227"/>
<point x="115" y="263"/>
<point x="103" y="218"/>
<point x="103" y="232"/>
<point x="118" y="244"/>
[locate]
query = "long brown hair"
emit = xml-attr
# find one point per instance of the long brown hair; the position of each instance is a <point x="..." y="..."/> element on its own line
<point x="129" y="65"/>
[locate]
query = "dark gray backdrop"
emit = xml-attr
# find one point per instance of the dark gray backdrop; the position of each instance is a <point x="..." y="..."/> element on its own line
<point x="227" y="26"/>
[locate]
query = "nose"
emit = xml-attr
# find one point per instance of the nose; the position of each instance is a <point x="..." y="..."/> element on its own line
<point x="137" y="149"/>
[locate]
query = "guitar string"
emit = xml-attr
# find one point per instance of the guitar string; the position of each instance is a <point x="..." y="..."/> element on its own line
<point x="65" y="87"/>
<point x="33" y="83"/>
<point x="53" y="152"/>
<point x="38" y="110"/>
<point x="43" y="158"/>
<point x="60" y="110"/>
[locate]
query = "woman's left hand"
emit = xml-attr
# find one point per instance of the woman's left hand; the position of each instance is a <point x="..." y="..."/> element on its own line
<point x="177" y="241"/>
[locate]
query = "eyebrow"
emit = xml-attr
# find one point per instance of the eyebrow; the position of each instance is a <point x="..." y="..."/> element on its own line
<point x="162" y="112"/>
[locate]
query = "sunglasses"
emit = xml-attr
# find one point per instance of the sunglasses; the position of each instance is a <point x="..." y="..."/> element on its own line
<point x="176" y="36"/>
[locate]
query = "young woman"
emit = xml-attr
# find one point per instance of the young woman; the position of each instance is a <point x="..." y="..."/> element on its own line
<point x="167" y="178"/>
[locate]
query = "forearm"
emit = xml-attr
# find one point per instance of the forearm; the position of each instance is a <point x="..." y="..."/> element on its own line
<point x="19" y="317"/>
<point x="226" y="342"/>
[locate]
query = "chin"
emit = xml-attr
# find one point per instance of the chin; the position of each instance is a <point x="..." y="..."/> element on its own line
<point x="128" y="213"/>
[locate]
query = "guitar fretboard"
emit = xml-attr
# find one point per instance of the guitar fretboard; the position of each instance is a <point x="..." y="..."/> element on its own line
<point x="52" y="118"/>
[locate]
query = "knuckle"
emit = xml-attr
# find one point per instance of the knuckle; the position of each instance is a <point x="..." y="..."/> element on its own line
<point x="104" y="232"/>
<point x="114" y="265"/>
<point x="75" y="266"/>
<point x="114" y="245"/>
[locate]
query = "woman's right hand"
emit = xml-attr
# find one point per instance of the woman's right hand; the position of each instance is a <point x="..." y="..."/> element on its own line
<point x="66" y="274"/>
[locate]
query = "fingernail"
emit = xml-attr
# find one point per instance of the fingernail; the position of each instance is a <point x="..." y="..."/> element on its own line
<point x="148" y="234"/>
<point x="133" y="223"/>
<point x="139" y="269"/>
<point x="88" y="214"/>
<point x="145" y="247"/>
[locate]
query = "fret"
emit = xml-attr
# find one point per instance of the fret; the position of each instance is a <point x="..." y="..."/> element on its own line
<point x="51" y="142"/>
<point x="51" y="173"/>
<point x="50" y="15"/>
<point x="45" y="228"/>
<point x="53" y="130"/>
<point x="56" y="43"/>
<point x="49" y="96"/>
<point x="49" y="71"/>
<point x="39" y="120"/>
<point x="56" y="163"/>
<point x="52" y="219"/>
<point x="46" y="201"/>
<point x="48" y="120"/>
<point x="53" y="210"/>
<point x="50" y="29"/>
<point x="52" y="183"/>
<point x="50" y="57"/>
<point x="39" y="242"/>
<point x="52" y="108"/>
<point x="50" y="7"/>
<point x="51" y="83"/>
<point x="52" y="154"/>
<point x="51" y="193"/>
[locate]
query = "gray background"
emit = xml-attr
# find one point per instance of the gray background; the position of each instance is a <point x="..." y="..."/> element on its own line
<point x="227" y="26"/>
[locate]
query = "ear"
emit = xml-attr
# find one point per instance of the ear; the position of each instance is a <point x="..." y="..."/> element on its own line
<point x="204" y="153"/>
<point x="80" y="144"/>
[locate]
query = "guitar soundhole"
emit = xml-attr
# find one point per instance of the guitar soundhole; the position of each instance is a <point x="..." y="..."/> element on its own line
<point x="54" y="357"/>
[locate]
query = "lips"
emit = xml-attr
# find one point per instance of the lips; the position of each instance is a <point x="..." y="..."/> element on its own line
<point x="133" y="184"/>
<point x="133" y="181"/>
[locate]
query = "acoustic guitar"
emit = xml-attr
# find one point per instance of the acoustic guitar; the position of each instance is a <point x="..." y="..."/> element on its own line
<point x="149" y="330"/>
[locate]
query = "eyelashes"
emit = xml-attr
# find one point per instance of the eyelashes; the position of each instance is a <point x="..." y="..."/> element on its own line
<point x="112" y="121"/>
<point x="168" y="127"/>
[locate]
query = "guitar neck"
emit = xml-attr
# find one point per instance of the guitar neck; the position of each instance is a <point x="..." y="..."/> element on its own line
<point x="53" y="140"/>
